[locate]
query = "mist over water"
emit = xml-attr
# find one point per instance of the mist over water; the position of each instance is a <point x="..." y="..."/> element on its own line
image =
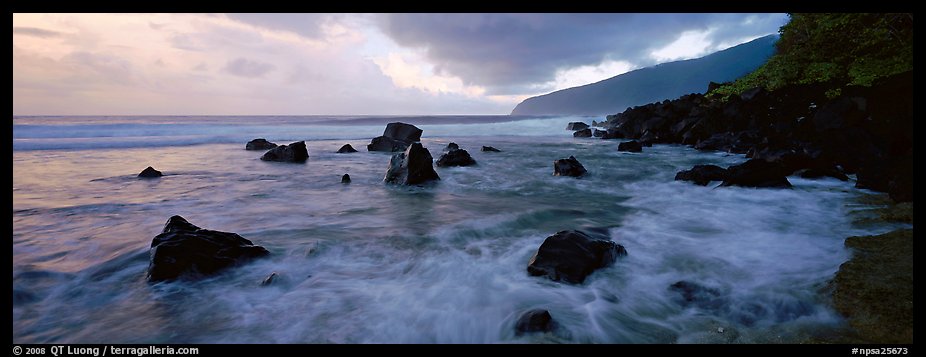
<point x="375" y="263"/>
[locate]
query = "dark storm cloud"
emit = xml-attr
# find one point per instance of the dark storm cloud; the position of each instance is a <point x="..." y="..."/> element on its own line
<point x="514" y="53"/>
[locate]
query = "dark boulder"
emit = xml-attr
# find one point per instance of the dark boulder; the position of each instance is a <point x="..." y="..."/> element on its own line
<point x="345" y="178"/>
<point x="150" y="172"/>
<point x="568" y="167"/>
<point x="570" y="256"/>
<point x="458" y="157"/>
<point x="702" y="174"/>
<point x="694" y="294"/>
<point x="185" y="250"/>
<point x="490" y="149"/>
<point x="451" y="147"/>
<point x="346" y="149"/>
<point x="576" y="125"/>
<point x="412" y="167"/>
<point x="396" y="137"/>
<point x="270" y="279"/>
<point x="599" y="133"/>
<point x="584" y="133"/>
<point x="537" y="320"/>
<point x="382" y="143"/>
<point x="756" y="173"/>
<point x="294" y="152"/>
<point x="259" y="144"/>
<point x="824" y="171"/>
<point x="630" y="146"/>
<point x="613" y="134"/>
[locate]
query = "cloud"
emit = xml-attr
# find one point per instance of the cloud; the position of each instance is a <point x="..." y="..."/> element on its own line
<point x="519" y="53"/>
<point x="35" y="31"/>
<point x="244" y="67"/>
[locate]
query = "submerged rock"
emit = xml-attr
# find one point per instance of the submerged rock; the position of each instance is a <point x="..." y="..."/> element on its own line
<point x="294" y="152"/>
<point x="689" y="293"/>
<point x="756" y="173"/>
<point x="456" y="157"/>
<point x="270" y="279"/>
<point x="568" y="167"/>
<point x="412" y="167"/>
<point x="576" y="125"/>
<point x="490" y="149"/>
<point x="346" y="149"/>
<point x="630" y="146"/>
<point x="584" y="133"/>
<point x="874" y="289"/>
<point x="570" y="256"/>
<point x="150" y="172"/>
<point x="185" y="250"/>
<point x="396" y="137"/>
<point x="345" y="178"/>
<point x="259" y="144"/>
<point x="537" y="320"/>
<point x="702" y="174"/>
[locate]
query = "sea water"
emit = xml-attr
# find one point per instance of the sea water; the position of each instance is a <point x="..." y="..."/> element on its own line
<point x="369" y="262"/>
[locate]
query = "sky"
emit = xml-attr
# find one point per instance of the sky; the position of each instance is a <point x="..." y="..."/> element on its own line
<point x="341" y="64"/>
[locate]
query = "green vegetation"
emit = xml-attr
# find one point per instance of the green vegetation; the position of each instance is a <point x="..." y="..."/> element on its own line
<point x="835" y="50"/>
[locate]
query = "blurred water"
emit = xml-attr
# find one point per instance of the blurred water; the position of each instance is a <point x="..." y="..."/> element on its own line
<point x="374" y="263"/>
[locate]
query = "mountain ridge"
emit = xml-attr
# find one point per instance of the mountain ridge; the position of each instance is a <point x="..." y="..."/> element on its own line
<point x="654" y="83"/>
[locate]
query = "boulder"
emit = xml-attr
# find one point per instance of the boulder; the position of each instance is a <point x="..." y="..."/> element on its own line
<point x="185" y="250"/>
<point x="576" y="125"/>
<point x="294" y="152"/>
<point x="270" y="279"/>
<point x="458" y="157"/>
<point x="584" y="133"/>
<point x="756" y="173"/>
<point x="630" y="146"/>
<point x="570" y="256"/>
<point x="346" y="149"/>
<point x="537" y="320"/>
<point x="345" y="178"/>
<point x="150" y="172"/>
<point x="568" y="167"/>
<point x="451" y="147"/>
<point x="259" y="144"/>
<point x="702" y="174"/>
<point x="824" y="171"/>
<point x="412" y="167"/>
<point x="490" y="149"/>
<point x="396" y="137"/>
<point x="599" y="133"/>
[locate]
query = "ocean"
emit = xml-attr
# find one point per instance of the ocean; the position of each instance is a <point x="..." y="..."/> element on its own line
<point x="370" y="262"/>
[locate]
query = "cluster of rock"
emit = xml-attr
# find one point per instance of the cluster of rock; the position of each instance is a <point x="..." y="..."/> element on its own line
<point x="865" y="131"/>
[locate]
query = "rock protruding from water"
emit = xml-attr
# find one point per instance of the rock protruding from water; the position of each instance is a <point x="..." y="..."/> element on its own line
<point x="451" y="147"/>
<point x="690" y="293"/>
<point x="702" y="174"/>
<point x="537" y="320"/>
<point x="630" y="146"/>
<point x="456" y="157"/>
<point x="490" y="149"/>
<point x="396" y="137"/>
<point x="294" y="152"/>
<point x="150" y="172"/>
<point x="185" y="250"/>
<point x="756" y="173"/>
<point x="259" y="144"/>
<point x="584" y="133"/>
<point x="345" y="178"/>
<point x="270" y="279"/>
<point x="346" y="149"/>
<point x="412" y="167"/>
<point x="823" y="171"/>
<point x="576" y="125"/>
<point x="568" y="167"/>
<point x="570" y="256"/>
<point x="874" y="289"/>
